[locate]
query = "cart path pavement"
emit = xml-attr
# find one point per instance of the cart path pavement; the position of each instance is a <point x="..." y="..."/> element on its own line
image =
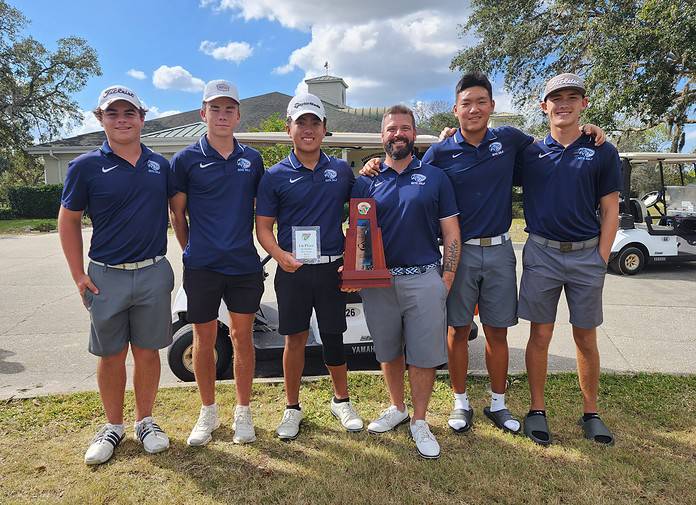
<point x="649" y="322"/>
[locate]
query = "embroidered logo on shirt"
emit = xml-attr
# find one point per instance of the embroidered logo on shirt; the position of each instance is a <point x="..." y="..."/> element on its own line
<point x="584" y="153"/>
<point x="379" y="183"/>
<point x="203" y="165"/>
<point x="153" y="167"/>
<point x="243" y="165"/>
<point x="293" y="181"/>
<point x="496" y="149"/>
<point x="457" y="154"/>
<point x="105" y="170"/>
<point x="418" y="179"/>
<point x="543" y="155"/>
<point x="330" y="175"/>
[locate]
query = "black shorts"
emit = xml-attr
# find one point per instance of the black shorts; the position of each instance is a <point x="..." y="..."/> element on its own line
<point x="205" y="288"/>
<point x="310" y="286"/>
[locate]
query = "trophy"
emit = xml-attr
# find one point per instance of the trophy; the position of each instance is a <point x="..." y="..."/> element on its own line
<point x="364" y="265"/>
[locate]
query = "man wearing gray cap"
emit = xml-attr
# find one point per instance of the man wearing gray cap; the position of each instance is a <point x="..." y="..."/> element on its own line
<point x="571" y="207"/>
<point x="216" y="180"/>
<point x="123" y="186"/>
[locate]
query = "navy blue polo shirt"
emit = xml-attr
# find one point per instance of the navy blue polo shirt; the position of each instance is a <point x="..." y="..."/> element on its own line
<point x="127" y="204"/>
<point x="562" y="186"/>
<point x="298" y="196"/>
<point x="220" y="202"/>
<point x="409" y="208"/>
<point x="482" y="178"/>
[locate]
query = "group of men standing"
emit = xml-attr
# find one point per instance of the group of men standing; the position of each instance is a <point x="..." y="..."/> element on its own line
<point x="460" y="191"/>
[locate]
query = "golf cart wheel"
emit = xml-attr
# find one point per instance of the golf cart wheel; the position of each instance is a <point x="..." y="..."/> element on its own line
<point x="180" y="353"/>
<point x="631" y="260"/>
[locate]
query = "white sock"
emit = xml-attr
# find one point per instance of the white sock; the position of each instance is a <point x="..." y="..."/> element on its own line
<point x="118" y="428"/>
<point x="498" y="403"/>
<point x="243" y="408"/>
<point x="461" y="401"/>
<point x="210" y="407"/>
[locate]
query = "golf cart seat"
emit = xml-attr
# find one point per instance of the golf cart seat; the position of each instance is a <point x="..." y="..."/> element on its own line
<point x="638" y="210"/>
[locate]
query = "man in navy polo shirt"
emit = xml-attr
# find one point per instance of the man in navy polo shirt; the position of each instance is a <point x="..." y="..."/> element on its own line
<point x="480" y="162"/>
<point x="415" y="203"/>
<point x="216" y="180"/>
<point x="124" y="187"/>
<point x="308" y="189"/>
<point x="571" y="206"/>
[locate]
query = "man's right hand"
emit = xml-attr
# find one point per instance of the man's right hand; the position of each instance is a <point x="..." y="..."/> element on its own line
<point x="447" y="132"/>
<point x="84" y="283"/>
<point x="287" y="262"/>
<point x="371" y="168"/>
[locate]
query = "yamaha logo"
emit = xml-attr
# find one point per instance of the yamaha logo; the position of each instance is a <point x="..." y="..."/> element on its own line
<point x="418" y="179"/>
<point x="330" y="175"/>
<point x="243" y="165"/>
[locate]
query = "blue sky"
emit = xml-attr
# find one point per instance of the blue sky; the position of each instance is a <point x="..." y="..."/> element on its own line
<point x="386" y="52"/>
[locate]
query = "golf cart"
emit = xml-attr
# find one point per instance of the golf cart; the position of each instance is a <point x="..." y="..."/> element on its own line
<point x="269" y="343"/>
<point x="668" y="237"/>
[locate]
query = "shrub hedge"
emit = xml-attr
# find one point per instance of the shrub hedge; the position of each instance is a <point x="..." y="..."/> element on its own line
<point x="35" y="201"/>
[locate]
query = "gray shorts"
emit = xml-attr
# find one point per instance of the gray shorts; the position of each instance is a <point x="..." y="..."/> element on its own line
<point x="409" y="314"/>
<point x="132" y="306"/>
<point x="547" y="270"/>
<point x="485" y="275"/>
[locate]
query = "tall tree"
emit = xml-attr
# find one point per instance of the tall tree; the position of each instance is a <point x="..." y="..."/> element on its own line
<point x="638" y="57"/>
<point x="36" y="84"/>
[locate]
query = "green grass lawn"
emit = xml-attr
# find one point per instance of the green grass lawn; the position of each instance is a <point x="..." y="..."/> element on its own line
<point x="42" y="442"/>
<point x="14" y="226"/>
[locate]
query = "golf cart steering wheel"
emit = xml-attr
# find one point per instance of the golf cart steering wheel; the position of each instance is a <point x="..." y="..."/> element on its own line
<point x="651" y="199"/>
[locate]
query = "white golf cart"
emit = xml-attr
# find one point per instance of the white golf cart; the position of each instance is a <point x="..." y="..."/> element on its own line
<point x="641" y="240"/>
<point x="269" y="343"/>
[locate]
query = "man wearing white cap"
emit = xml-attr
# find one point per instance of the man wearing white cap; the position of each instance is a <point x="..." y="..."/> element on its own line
<point x="124" y="187"/>
<point x="571" y="207"/>
<point x="305" y="193"/>
<point x="216" y="180"/>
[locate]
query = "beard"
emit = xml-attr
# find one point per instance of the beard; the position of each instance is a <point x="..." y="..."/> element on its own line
<point x="399" y="154"/>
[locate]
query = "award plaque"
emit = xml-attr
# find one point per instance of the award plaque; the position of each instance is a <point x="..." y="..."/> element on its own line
<point x="364" y="265"/>
<point x="306" y="245"/>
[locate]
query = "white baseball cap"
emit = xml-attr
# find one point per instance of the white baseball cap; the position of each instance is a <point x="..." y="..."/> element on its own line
<point x="305" y="103"/>
<point x="115" y="93"/>
<point x="564" y="81"/>
<point x="219" y="88"/>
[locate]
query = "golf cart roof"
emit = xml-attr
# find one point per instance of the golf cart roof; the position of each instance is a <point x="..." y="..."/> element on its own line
<point x="667" y="157"/>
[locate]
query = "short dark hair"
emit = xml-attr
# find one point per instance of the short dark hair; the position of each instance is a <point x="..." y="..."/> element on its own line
<point x="399" y="109"/>
<point x="474" y="79"/>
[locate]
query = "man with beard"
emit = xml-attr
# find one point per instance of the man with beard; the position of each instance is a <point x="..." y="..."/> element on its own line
<point x="571" y="206"/>
<point x="308" y="189"/>
<point x="127" y="288"/>
<point x="415" y="202"/>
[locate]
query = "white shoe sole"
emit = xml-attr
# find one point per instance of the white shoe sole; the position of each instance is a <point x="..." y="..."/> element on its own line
<point x="156" y="451"/>
<point x="243" y="441"/>
<point x="199" y="444"/>
<point x="97" y="462"/>
<point x="349" y="430"/>
<point x="406" y="420"/>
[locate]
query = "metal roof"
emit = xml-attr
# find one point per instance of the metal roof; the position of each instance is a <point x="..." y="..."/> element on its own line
<point x="193" y="130"/>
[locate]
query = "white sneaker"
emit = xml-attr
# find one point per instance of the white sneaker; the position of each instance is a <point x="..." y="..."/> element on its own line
<point x="243" y="426"/>
<point x="388" y="420"/>
<point x="153" y="438"/>
<point x="103" y="444"/>
<point x="344" y="412"/>
<point x="425" y="441"/>
<point x="207" y="423"/>
<point x="289" y="426"/>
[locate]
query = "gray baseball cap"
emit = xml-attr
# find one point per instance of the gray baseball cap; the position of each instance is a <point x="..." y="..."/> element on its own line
<point x="564" y="81"/>
<point x="218" y="88"/>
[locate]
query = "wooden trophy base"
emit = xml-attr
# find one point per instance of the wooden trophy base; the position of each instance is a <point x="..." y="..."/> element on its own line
<point x="366" y="279"/>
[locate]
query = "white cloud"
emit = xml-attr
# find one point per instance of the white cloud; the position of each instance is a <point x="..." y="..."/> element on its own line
<point x="385" y="53"/>
<point x="233" y="51"/>
<point x="176" y="78"/>
<point x="137" y="74"/>
<point x="154" y="113"/>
